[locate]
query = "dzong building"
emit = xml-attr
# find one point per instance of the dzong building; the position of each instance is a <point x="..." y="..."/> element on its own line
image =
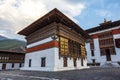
<point x="55" y="43"/>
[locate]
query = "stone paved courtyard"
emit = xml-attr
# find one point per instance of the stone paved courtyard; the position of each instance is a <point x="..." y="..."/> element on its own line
<point x="84" y="74"/>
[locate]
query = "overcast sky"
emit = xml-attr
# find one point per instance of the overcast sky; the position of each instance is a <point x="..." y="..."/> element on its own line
<point x="18" y="14"/>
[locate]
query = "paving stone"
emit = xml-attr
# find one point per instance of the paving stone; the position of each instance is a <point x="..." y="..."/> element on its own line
<point x="96" y="73"/>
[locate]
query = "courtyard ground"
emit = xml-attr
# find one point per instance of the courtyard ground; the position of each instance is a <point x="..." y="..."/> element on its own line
<point x="84" y="74"/>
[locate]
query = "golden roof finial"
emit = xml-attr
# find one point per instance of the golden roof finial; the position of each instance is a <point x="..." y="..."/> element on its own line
<point x="105" y="20"/>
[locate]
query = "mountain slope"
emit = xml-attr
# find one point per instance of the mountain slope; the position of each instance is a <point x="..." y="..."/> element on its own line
<point x="12" y="44"/>
<point x="2" y="38"/>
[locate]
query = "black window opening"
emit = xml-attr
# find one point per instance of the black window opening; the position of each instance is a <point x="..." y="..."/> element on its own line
<point x="65" y="61"/>
<point x="43" y="62"/>
<point x="93" y="60"/>
<point x="30" y="62"/>
<point x="92" y="53"/>
<point x="12" y="65"/>
<point x="82" y="62"/>
<point x="74" y="61"/>
<point x="20" y="65"/>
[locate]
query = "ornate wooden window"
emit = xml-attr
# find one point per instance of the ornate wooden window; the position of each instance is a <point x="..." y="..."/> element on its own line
<point x="106" y="42"/>
<point x="83" y="52"/>
<point x="78" y="50"/>
<point x="70" y="48"/>
<point x="63" y="46"/>
<point x="111" y="49"/>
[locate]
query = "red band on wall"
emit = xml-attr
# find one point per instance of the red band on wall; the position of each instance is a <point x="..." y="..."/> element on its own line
<point x="94" y="36"/>
<point x="43" y="46"/>
<point x="116" y="31"/>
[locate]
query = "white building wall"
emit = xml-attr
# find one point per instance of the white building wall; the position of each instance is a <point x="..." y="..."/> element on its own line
<point x="70" y="64"/>
<point x="97" y="50"/>
<point x="0" y="66"/>
<point x="36" y="60"/>
<point x="88" y="50"/>
<point x="117" y="56"/>
<point x="53" y="62"/>
<point x="16" y="66"/>
<point x="8" y="66"/>
<point x="79" y="63"/>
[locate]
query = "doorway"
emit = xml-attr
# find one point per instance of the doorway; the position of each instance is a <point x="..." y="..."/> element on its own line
<point x="108" y="56"/>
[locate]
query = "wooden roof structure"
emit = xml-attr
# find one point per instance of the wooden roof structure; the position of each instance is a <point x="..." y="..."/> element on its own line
<point x="5" y="51"/>
<point x="53" y="16"/>
<point x="104" y="26"/>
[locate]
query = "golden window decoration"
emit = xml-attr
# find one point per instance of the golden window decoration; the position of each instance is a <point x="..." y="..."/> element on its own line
<point x="83" y="52"/>
<point x="63" y="46"/>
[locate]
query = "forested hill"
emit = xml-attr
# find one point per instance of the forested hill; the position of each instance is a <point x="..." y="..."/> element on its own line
<point x="12" y="44"/>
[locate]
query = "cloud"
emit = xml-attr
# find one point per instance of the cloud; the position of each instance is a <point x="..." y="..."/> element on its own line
<point x="17" y="14"/>
<point x="11" y="35"/>
<point x="103" y="13"/>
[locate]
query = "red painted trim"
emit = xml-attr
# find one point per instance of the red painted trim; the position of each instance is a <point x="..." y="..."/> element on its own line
<point x="43" y="46"/>
<point x="116" y="31"/>
<point x="94" y="36"/>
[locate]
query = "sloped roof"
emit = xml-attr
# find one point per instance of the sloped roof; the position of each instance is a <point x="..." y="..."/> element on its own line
<point x="53" y="16"/>
<point x="6" y="51"/>
<point x="103" y="27"/>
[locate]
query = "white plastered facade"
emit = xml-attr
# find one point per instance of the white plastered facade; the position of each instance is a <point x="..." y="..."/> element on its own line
<point x="53" y="61"/>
